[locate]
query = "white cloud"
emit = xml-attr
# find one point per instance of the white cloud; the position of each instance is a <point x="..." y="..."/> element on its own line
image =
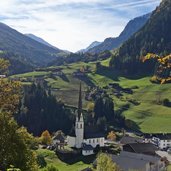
<point x="72" y="24"/>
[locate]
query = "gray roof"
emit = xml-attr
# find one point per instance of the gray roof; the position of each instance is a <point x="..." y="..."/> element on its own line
<point x="128" y="140"/>
<point x="87" y="147"/>
<point x="144" y="148"/>
<point x="127" y="160"/>
<point x="92" y="131"/>
<point x="93" y="135"/>
<point x="163" y="136"/>
<point x="59" y="138"/>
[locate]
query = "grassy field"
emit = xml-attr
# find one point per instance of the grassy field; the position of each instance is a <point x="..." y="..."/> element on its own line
<point x="52" y="159"/>
<point x="148" y="116"/>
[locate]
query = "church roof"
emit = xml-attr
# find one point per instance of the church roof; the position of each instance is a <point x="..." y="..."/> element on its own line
<point x="93" y="135"/>
<point x="92" y="131"/>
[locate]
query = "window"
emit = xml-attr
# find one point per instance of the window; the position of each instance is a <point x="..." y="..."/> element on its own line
<point x="80" y="126"/>
<point x="97" y="140"/>
<point x="93" y="141"/>
<point x="90" y="141"/>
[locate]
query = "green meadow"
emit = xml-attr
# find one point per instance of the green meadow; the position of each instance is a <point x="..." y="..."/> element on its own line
<point x="149" y="116"/>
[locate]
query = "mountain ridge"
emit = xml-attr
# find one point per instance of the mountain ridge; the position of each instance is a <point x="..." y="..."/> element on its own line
<point x="29" y="50"/>
<point x="111" y="43"/>
<point x="153" y="37"/>
<point x="92" y="45"/>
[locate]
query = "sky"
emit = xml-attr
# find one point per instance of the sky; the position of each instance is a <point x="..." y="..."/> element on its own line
<point x="72" y="24"/>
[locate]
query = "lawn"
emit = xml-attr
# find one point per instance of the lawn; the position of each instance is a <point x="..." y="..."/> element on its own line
<point x="31" y="74"/>
<point x="52" y="159"/>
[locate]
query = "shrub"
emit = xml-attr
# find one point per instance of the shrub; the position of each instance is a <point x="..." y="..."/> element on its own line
<point x="41" y="161"/>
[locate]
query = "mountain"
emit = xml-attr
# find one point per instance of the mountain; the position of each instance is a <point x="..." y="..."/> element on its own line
<point x="92" y="45"/>
<point x="154" y="37"/>
<point x="40" y="40"/>
<point x="25" y="48"/>
<point x="112" y="43"/>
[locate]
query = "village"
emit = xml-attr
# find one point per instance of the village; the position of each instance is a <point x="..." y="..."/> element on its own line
<point x="130" y="151"/>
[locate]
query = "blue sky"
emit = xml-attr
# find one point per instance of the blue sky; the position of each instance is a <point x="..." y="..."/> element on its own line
<point x="73" y="24"/>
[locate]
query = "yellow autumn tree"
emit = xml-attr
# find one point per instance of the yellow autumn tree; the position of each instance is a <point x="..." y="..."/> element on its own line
<point x="111" y="136"/>
<point x="15" y="146"/>
<point x="90" y="106"/>
<point x="46" y="138"/>
<point x="162" y="68"/>
<point x="105" y="163"/>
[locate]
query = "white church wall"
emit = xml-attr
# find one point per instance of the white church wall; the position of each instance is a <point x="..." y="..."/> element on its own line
<point x="71" y="141"/>
<point x="87" y="152"/>
<point x="95" y="142"/>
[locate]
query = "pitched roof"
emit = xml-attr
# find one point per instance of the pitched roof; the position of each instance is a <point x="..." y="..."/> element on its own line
<point x="59" y="137"/>
<point x="163" y="136"/>
<point x="143" y="148"/>
<point x="128" y="140"/>
<point x="87" y="147"/>
<point x="93" y="135"/>
<point x="127" y="160"/>
<point x="92" y="131"/>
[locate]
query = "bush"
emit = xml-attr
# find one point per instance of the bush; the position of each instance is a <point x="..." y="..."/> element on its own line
<point x="41" y="161"/>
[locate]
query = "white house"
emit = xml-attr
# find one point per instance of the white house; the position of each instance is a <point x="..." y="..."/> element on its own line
<point x="88" y="139"/>
<point x="2" y="76"/>
<point x="163" y="141"/>
<point x="87" y="150"/>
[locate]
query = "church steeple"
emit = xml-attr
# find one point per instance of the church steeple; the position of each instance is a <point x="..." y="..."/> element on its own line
<point x="80" y="102"/>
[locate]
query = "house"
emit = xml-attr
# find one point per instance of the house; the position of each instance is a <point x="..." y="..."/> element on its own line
<point x="87" y="150"/>
<point x="147" y="138"/>
<point x="132" y="161"/>
<point x="59" y="140"/>
<point x="141" y="148"/>
<point x="163" y="141"/>
<point x="82" y="136"/>
<point x="2" y="76"/>
<point x="78" y="74"/>
<point x="128" y="140"/>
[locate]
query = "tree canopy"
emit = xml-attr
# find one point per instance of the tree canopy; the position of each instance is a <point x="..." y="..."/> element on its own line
<point x="15" y="142"/>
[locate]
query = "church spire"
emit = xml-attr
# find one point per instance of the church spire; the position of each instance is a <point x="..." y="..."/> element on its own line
<point x="80" y="102"/>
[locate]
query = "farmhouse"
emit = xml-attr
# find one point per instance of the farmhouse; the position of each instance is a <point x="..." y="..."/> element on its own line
<point x="141" y="148"/>
<point x="85" y="138"/>
<point x="163" y="141"/>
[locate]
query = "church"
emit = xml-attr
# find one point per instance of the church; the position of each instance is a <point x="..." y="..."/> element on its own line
<point x="85" y="138"/>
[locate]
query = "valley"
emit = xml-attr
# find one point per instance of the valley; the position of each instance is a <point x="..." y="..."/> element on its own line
<point x="99" y="102"/>
<point x="149" y="115"/>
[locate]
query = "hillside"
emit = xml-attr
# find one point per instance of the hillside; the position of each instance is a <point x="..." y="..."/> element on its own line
<point x="112" y="43"/>
<point x="25" y="48"/>
<point x="143" y="109"/>
<point x="154" y="37"/>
